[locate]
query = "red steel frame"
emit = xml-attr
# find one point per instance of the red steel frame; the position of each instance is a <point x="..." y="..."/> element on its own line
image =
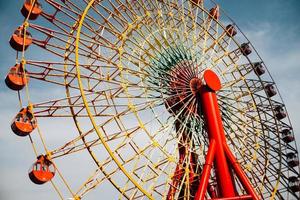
<point x="219" y="154"/>
<point x="180" y="170"/>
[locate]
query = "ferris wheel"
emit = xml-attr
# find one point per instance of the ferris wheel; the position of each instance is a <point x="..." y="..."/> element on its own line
<point x="167" y="99"/>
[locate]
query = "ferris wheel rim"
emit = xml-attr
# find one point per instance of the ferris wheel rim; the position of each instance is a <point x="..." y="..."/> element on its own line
<point x="83" y="92"/>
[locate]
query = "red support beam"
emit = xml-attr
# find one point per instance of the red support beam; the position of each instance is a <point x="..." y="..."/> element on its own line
<point x="177" y="177"/>
<point x="206" y="171"/>
<point x="224" y="160"/>
<point x="213" y="121"/>
<point x="218" y="153"/>
<point x="243" y="197"/>
<point x="240" y="173"/>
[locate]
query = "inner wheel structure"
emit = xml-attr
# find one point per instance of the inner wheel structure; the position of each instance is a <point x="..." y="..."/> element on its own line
<point x="132" y="72"/>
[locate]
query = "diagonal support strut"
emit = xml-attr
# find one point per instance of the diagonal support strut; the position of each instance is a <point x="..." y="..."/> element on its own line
<point x="224" y="161"/>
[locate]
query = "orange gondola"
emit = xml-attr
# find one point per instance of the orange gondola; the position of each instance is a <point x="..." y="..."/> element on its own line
<point x="16" y="78"/>
<point x="24" y="123"/>
<point x="42" y="170"/>
<point x="215" y="13"/>
<point x="36" y="9"/>
<point x="20" y="39"/>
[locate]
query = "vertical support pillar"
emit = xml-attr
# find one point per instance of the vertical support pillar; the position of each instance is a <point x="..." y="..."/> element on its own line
<point x="218" y="153"/>
<point x="224" y="160"/>
<point x="215" y="131"/>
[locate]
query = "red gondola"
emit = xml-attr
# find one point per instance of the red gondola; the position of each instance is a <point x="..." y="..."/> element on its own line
<point x="16" y="79"/>
<point x="42" y="170"/>
<point x="20" y="38"/>
<point x="294" y="184"/>
<point x="230" y="30"/>
<point x="292" y="159"/>
<point x="35" y="9"/>
<point x="287" y="135"/>
<point x="215" y="13"/>
<point x="246" y="49"/>
<point x="280" y="112"/>
<point x="24" y="123"/>
<point x="259" y="69"/>
<point x="270" y="90"/>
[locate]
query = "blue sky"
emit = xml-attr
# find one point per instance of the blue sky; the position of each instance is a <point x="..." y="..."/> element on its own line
<point x="271" y="25"/>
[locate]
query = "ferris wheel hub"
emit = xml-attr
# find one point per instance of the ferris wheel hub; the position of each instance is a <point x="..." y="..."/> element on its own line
<point x="195" y="85"/>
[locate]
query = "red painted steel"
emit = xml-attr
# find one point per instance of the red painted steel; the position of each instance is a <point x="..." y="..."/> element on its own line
<point x="218" y="153"/>
<point x="212" y="80"/>
<point x="176" y="179"/>
<point x="224" y="160"/>
<point x="180" y="169"/>
<point x="206" y="170"/>
<point x="240" y="173"/>
<point x="179" y="172"/>
<point x="215" y="131"/>
<point x="243" y="197"/>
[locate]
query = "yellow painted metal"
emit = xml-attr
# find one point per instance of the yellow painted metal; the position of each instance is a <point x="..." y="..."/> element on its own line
<point x="30" y="105"/>
<point x="101" y="137"/>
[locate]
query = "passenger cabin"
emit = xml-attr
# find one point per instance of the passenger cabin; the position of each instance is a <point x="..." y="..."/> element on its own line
<point x="20" y="39"/>
<point x="35" y="8"/>
<point x="294" y="184"/>
<point x="280" y="112"/>
<point x="246" y="49"/>
<point x="287" y="135"/>
<point x="42" y="170"/>
<point x="292" y="159"/>
<point x="270" y="90"/>
<point x="16" y="78"/>
<point x="24" y="123"/>
<point x="215" y="13"/>
<point x="259" y="69"/>
<point x="230" y="30"/>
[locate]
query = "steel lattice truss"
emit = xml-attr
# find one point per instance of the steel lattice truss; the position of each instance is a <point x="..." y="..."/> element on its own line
<point x="102" y="52"/>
